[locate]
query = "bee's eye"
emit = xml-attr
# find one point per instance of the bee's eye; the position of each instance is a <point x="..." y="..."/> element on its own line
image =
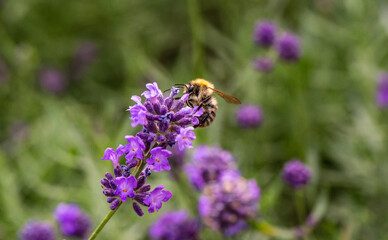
<point x="191" y="88"/>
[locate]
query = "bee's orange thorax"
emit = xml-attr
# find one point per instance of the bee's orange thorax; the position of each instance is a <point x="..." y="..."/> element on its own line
<point x="202" y="82"/>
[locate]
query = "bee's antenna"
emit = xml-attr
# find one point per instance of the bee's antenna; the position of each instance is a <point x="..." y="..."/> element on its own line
<point x="179" y="84"/>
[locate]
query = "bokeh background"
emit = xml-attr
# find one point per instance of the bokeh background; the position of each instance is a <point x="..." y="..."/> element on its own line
<point x="69" y="68"/>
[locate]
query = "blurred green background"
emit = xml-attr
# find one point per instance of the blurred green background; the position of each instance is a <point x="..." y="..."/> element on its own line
<point x="320" y="109"/>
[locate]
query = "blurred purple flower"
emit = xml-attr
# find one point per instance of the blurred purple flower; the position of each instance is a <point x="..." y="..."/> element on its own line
<point x="125" y="186"/>
<point x="249" y="116"/>
<point x="86" y="52"/>
<point x="288" y="47"/>
<point x="296" y="174"/>
<point x="226" y="206"/>
<point x="52" y="80"/>
<point x="381" y="97"/>
<point x="156" y="197"/>
<point x="208" y="164"/>
<point x="175" y="226"/>
<point x="264" y="33"/>
<point x="72" y="221"/>
<point x="158" y="160"/>
<point x="264" y="65"/>
<point x="36" y="230"/>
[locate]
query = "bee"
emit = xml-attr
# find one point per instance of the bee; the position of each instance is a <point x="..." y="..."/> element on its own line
<point x="200" y="94"/>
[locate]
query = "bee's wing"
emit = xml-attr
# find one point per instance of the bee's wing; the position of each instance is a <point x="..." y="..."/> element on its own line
<point x="228" y="98"/>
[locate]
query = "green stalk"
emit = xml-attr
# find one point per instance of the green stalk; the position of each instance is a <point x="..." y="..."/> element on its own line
<point x="104" y="221"/>
<point x="194" y="12"/>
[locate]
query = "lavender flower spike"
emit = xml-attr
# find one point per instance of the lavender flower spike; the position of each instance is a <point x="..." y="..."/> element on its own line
<point x="158" y="160"/>
<point x="227" y="205"/>
<point x="35" y="230"/>
<point x="125" y="186"/>
<point x="288" y="47"/>
<point x="296" y="174"/>
<point x="249" y="116"/>
<point x="72" y="221"/>
<point x="264" y="33"/>
<point x="156" y="197"/>
<point x="208" y="164"/>
<point x="175" y="226"/>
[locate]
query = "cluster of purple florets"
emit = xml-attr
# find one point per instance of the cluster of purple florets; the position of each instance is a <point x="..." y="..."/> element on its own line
<point x="166" y="122"/>
<point x="287" y="45"/>
<point x="72" y="222"/>
<point x="175" y="226"/>
<point x="208" y="164"/>
<point x="296" y="174"/>
<point x="228" y="200"/>
<point x="228" y="204"/>
<point x="249" y="116"/>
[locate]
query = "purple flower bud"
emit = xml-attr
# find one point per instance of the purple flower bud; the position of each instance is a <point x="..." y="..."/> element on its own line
<point x="296" y="174"/>
<point x="114" y="204"/>
<point x="264" y="65"/>
<point x="149" y="107"/>
<point x="137" y="209"/>
<point x="140" y="197"/>
<point x="110" y="200"/>
<point x="52" y="80"/>
<point x="163" y="110"/>
<point x="157" y="107"/>
<point x="109" y="176"/>
<point x="264" y="33"/>
<point x="249" y="116"/>
<point x="118" y="171"/>
<point x="109" y="192"/>
<point x="140" y="181"/>
<point x="178" y="106"/>
<point x="144" y="188"/>
<point x="72" y="221"/>
<point x="35" y="230"/>
<point x="288" y="47"/>
<point x="105" y="182"/>
<point x="132" y="164"/>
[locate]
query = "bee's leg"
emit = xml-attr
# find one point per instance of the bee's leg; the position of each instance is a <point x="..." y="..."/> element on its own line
<point x="202" y="119"/>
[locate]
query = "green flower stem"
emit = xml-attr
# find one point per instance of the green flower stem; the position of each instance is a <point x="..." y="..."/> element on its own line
<point x="194" y="12"/>
<point x="103" y="222"/>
